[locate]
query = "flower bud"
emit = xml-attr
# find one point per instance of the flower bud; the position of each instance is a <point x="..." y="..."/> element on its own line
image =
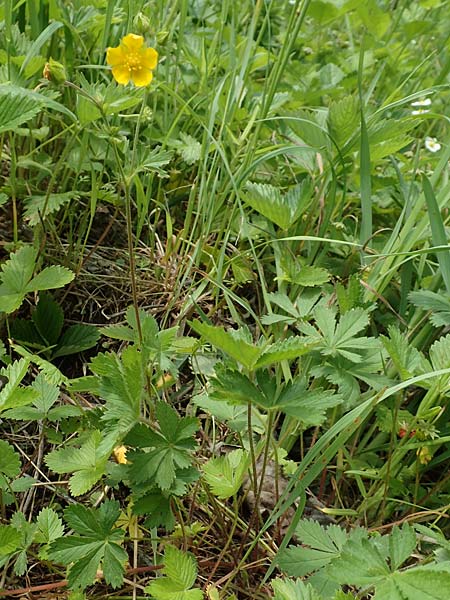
<point x="141" y="23"/>
<point x="54" y="71"/>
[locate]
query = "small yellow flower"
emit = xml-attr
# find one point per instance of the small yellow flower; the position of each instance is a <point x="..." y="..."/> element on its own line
<point x="132" y="61"/>
<point x="120" y="455"/>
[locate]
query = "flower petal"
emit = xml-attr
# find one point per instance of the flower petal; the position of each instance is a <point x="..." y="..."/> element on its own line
<point x="149" y="58"/>
<point x="115" y="56"/>
<point x="121" y="74"/>
<point x="132" y="42"/>
<point x="142" y="77"/>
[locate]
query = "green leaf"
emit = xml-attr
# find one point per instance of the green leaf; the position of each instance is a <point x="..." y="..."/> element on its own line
<point x="189" y="148"/>
<point x="76" y="338"/>
<point x="225" y="474"/>
<point x="325" y="544"/>
<point x="283" y="210"/>
<point x="171" y="448"/>
<point x="12" y="395"/>
<point x="240" y="350"/>
<point x="10" y="540"/>
<point x="289" y="589"/>
<point x="49" y="526"/>
<point x="307" y="405"/>
<point x="96" y="546"/>
<point x="180" y="570"/>
<point x="235" y="388"/>
<point x="17" y="278"/>
<point x="86" y="463"/>
<point x="16" y="273"/>
<point x="343" y="119"/>
<point x="288" y="349"/>
<point x="407" y="359"/>
<point x="437" y="304"/>
<point x="121" y="385"/>
<point x="402" y="543"/>
<point x="50" y="278"/>
<point x="34" y="205"/>
<point x="9" y="460"/>
<point x="309" y="276"/>
<point x="415" y="584"/>
<point x="17" y="107"/>
<point x="438" y="234"/>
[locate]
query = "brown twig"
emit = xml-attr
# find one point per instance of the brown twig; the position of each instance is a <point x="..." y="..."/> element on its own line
<point x="59" y="584"/>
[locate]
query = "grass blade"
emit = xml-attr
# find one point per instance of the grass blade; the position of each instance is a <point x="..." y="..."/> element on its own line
<point x="438" y="234"/>
<point x="40" y="41"/>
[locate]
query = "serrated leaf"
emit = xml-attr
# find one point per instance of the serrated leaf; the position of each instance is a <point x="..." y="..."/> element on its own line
<point x="17" y="106"/>
<point x="98" y="545"/>
<point x="34" y="205"/>
<point x="9" y="460"/>
<point x="362" y="562"/>
<point x="289" y="589"/>
<point x="241" y="351"/>
<point x="171" y="448"/>
<point x="325" y="544"/>
<point x="288" y="349"/>
<point x="438" y="304"/>
<point x="189" y="148"/>
<point x="406" y="358"/>
<point x="283" y="210"/>
<point x="402" y="542"/>
<point x="235" y="388"/>
<point x="307" y="405"/>
<point x="225" y="474"/>
<point x="121" y="385"/>
<point x="76" y="338"/>
<point x="309" y="276"/>
<point x="50" y="278"/>
<point x="86" y="463"/>
<point x="12" y="395"/>
<point x="180" y="570"/>
<point x="49" y="526"/>
<point x="10" y="540"/>
<point x="343" y="119"/>
<point x="415" y="584"/>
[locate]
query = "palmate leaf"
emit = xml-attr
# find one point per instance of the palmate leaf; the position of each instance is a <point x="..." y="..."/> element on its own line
<point x="243" y="352"/>
<point x="86" y="463"/>
<point x="17" y="278"/>
<point x="96" y="545"/>
<point x="225" y="474"/>
<point x="325" y="544"/>
<point x="180" y="573"/>
<point x="170" y="448"/>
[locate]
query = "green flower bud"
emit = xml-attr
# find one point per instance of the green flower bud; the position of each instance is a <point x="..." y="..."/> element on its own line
<point x="141" y="23"/>
<point x="54" y="71"/>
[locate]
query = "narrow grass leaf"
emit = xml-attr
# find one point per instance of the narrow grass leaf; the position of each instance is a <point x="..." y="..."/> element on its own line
<point x="438" y="234"/>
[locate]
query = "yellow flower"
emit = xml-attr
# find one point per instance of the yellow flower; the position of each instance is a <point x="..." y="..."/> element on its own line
<point x="120" y="455"/>
<point x="132" y="61"/>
